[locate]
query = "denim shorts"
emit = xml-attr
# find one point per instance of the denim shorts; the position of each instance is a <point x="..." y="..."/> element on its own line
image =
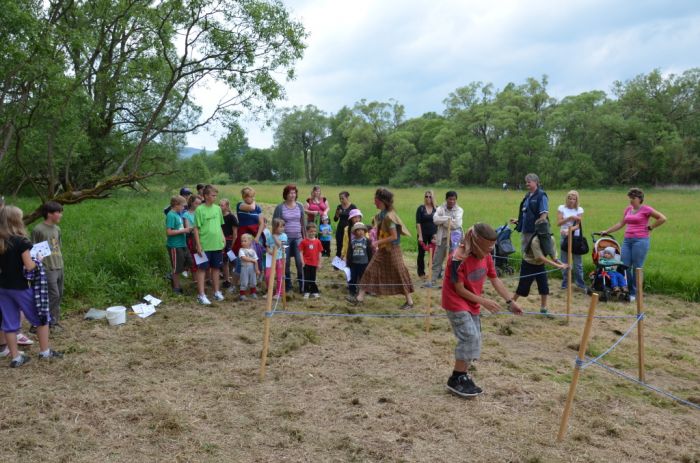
<point x="467" y="330"/>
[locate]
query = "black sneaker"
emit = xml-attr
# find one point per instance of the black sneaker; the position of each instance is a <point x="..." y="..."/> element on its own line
<point x="23" y="358"/>
<point x="463" y="386"/>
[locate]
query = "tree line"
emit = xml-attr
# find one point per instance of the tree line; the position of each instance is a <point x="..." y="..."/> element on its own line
<point x="645" y="133"/>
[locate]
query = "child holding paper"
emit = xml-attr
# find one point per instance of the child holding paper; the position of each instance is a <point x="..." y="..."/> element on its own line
<point x="176" y="241"/>
<point x="209" y="240"/>
<point x="50" y="232"/>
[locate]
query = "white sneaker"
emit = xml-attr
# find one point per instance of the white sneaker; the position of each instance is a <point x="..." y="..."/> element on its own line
<point x="6" y="352"/>
<point x="218" y="296"/>
<point x="202" y="299"/>
<point x="23" y="340"/>
<point x="306" y="295"/>
<point x="315" y="295"/>
<point x="632" y="298"/>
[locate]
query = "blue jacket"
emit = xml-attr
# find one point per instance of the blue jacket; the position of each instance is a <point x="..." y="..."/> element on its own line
<point x="531" y="207"/>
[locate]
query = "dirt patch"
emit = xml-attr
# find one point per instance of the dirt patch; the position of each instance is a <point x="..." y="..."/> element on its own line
<point x="183" y="386"/>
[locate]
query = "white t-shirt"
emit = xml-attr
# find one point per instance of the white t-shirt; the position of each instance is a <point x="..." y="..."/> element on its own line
<point x="566" y="213"/>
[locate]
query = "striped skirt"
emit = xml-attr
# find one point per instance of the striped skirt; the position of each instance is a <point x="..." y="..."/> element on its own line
<point x="387" y="274"/>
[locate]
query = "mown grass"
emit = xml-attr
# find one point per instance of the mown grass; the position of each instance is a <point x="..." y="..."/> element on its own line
<point x="114" y="249"/>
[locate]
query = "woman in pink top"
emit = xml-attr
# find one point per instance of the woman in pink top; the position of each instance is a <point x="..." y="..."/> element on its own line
<point x="316" y="206"/>
<point x="636" y="243"/>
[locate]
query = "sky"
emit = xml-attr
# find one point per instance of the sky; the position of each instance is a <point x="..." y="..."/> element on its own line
<point x="418" y="51"/>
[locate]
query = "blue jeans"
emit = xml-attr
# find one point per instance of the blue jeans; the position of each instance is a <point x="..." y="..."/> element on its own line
<point x="295" y="252"/>
<point x="576" y="270"/>
<point x="634" y="253"/>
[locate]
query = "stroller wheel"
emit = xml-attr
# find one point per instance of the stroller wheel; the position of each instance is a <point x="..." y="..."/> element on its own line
<point x="607" y="295"/>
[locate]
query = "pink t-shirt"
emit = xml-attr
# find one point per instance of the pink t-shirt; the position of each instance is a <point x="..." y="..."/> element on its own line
<point x="637" y="222"/>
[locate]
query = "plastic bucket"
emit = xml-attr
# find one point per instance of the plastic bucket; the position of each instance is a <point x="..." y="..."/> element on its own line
<point x="116" y="315"/>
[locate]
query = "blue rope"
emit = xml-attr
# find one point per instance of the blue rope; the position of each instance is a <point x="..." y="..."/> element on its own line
<point x="646" y="385"/>
<point x="367" y="315"/>
<point x="629" y="330"/>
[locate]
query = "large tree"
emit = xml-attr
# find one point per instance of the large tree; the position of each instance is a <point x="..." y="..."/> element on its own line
<point x="299" y="134"/>
<point x="90" y="86"/>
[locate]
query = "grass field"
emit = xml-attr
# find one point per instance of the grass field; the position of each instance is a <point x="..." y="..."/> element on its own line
<point x="670" y="266"/>
<point x="182" y="386"/>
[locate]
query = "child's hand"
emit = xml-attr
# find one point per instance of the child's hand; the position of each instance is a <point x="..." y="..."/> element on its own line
<point x="515" y="308"/>
<point x="491" y="306"/>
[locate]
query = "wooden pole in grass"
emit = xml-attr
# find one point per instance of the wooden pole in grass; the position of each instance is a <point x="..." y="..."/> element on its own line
<point x="430" y="291"/>
<point x="577" y="369"/>
<point x="640" y="325"/>
<point x="283" y="288"/>
<point x="569" y="261"/>
<point x="271" y="290"/>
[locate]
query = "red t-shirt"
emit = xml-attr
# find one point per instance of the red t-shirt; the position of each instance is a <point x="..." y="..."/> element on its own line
<point x="472" y="272"/>
<point x="311" y="250"/>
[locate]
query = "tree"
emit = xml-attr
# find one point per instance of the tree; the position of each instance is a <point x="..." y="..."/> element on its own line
<point x="231" y="150"/>
<point x="300" y="133"/>
<point x="129" y="69"/>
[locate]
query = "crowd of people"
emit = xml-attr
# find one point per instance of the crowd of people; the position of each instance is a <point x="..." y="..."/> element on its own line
<point x="233" y="251"/>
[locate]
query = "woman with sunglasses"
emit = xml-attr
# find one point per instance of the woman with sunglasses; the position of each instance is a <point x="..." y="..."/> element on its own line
<point x="426" y="228"/>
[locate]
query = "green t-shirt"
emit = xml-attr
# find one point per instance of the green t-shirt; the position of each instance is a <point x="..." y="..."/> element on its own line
<point x="173" y="221"/>
<point x="52" y="234"/>
<point x="208" y="220"/>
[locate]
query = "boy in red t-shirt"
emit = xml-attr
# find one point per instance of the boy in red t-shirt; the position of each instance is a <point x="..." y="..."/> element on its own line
<point x="471" y="264"/>
<point x="311" y="249"/>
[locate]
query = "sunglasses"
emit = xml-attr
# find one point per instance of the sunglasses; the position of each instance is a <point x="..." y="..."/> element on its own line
<point x="428" y="196"/>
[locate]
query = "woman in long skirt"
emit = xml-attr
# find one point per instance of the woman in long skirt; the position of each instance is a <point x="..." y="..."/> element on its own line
<point x="386" y="273"/>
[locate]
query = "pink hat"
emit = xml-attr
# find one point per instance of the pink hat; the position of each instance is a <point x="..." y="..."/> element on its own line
<point x="354" y="213"/>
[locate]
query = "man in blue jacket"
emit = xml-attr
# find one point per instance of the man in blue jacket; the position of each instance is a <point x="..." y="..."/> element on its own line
<point x="534" y="206"/>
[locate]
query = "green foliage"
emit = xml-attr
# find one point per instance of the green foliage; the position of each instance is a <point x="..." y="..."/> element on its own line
<point x="100" y="91"/>
<point x="648" y="132"/>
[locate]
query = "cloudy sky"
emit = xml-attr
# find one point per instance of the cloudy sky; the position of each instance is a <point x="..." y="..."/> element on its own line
<point x="418" y="51"/>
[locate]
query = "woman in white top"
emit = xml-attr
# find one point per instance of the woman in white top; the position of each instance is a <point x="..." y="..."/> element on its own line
<point x="569" y="215"/>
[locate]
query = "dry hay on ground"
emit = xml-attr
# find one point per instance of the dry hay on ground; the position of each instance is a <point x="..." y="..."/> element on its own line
<point x="183" y="386"/>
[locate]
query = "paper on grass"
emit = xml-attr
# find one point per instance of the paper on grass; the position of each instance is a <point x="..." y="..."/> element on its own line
<point x="42" y="249"/>
<point x="143" y="310"/>
<point x="153" y="300"/>
<point x="200" y="259"/>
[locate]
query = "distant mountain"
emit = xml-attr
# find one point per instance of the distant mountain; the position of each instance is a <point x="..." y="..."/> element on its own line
<point x="188" y="152"/>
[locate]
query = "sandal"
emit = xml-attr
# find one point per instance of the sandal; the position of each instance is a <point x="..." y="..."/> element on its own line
<point x="406" y="306"/>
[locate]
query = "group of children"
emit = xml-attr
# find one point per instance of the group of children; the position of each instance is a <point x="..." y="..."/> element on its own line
<point x="31" y="287"/>
<point x="203" y="237"/>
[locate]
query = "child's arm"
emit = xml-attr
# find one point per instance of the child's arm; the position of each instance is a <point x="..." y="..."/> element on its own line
<point x="197" y="243"/>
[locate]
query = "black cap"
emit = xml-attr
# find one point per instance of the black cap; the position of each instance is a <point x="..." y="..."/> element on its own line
<point x="184" y="191"/>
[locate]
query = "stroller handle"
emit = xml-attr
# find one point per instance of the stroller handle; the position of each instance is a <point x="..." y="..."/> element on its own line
<point x="600" y="234"/>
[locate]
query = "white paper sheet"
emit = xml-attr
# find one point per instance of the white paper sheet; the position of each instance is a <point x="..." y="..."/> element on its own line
<point x="153" y="300"/>
<point x="338" y="263"/>
<point x="143" y="310"/>
<point x="200" y="259"/>
<point x="231" y="255"/>
<point x="42" y="249"/>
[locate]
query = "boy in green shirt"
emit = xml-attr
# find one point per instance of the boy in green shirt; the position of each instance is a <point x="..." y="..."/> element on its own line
<point x="210" y="241"/>
<point x="49" y="231"/>
<point x="176" y="241"/>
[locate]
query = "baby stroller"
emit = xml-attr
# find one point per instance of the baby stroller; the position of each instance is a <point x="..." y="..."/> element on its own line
<point x="600" y="280"/>
<point x="503" y="249"/>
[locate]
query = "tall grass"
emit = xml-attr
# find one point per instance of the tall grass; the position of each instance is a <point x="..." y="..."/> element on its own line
<point x="114" y="249"/>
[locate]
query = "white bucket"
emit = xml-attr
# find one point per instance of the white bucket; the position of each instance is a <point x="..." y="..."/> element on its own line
<point x="116" y="315"/>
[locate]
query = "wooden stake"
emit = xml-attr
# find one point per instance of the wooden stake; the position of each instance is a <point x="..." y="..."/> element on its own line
<point x="569" y="260"/>
<point x="271" y="289"/>
<point x="640" y="325"/>
<point x="283" y="289"/>
<point x="577" y="369"/>
<point x="430" y="292"/>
